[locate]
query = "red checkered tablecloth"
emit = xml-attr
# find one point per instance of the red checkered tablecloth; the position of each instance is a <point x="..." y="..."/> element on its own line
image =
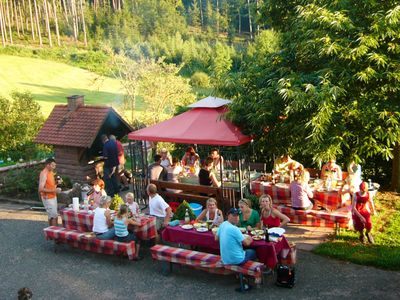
<point x="83" y="221"/>
<point x="79" y="240"/>
<point x="205" y="261"/>
<point x="280" y="194"/>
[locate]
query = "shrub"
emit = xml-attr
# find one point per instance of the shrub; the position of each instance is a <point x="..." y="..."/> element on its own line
<point x="181" y="210"/>
<point x="22" y="182"/>
<point x="116" y="202"/>
<point x="200" y="79"/>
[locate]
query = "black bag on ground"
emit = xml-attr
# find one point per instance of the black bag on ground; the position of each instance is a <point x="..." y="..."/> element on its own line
<point x="285" y="276"/>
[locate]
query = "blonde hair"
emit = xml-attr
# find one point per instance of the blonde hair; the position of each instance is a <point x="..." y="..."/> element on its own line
<point x="245" y="201"/>
<point x="263" y="197"/>
<point x="130" y="195"/>
<point x="210" y="201"/>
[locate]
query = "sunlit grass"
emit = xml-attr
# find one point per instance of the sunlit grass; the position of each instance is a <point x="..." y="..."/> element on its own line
<point x="385" y="253"/>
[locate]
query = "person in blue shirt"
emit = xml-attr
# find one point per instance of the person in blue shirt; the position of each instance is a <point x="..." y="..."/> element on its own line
<point x="231" y="241"/>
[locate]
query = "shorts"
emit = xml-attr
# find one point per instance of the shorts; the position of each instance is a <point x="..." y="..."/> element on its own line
<point x="159" y="223"/>
<point x="51" y="207"/>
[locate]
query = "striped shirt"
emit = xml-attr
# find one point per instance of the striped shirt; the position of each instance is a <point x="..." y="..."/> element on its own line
<point x="121" y="229"/>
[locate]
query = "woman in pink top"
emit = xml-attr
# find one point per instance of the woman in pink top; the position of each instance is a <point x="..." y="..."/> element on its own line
<point x="271" y="217"/>
<point x="301" y="193"/>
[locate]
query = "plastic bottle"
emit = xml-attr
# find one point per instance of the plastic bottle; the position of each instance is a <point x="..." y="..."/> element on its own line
<point x="329" y="184"/>
<point x="187" y="216"/>
<point x="370" y="185"/>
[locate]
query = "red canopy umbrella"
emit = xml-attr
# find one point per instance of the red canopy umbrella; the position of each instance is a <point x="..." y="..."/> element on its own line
<point x="200" y="125"/>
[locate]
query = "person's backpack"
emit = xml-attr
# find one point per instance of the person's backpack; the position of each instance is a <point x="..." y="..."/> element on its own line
<point x="285" y="276"/>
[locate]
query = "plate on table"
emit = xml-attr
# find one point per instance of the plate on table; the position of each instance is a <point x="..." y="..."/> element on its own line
<point x="201" y="229"/>
<point x="214" y="230"/>
<point x="246" y="236"/>
<point x="242" y="229"/>
<point x="258" y="237"/>
<point x="187" y="226"/>
<point x="89" y="235"/>
<point x="198" y="225"/>
<point x="276" y="231"/>
<point x="257" y="232"/>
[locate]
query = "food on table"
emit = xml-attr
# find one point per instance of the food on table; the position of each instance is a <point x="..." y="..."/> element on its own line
<point x="257" y="232"/>
<point x="198" y="225"/>
<point x="243" y="229"/>
<point x="202" y="229"/>
<point x="258" y="237"/>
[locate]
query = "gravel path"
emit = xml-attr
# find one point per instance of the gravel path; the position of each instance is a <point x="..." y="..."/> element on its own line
<point x="28" y="260"/>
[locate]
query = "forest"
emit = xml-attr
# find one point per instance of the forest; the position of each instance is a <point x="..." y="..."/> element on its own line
<point x="325" y="74"/>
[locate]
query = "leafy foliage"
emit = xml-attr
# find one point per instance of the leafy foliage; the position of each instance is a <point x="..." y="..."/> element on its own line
<point x="181" y="211"/>
<point x="200" y="79"/>
<point x="116" y="202"/>
<point x="20" y="121"/>
<point x="21" y="182"/>
<point x="332" y="88"/>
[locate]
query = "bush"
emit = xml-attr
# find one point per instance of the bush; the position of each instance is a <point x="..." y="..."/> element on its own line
<point x="116" y="202"/>
<point x="200" y="79"/>
<point x="181" y="210"/>
<point x="22" y="182"/>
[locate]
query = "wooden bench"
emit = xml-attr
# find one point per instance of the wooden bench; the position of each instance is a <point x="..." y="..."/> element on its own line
<point x="88" y="242"/>
<point x="190" y="192"/>
<point x="207" y="262"/>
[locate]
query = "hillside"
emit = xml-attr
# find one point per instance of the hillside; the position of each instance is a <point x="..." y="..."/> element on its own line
<point x="51" y="82"/>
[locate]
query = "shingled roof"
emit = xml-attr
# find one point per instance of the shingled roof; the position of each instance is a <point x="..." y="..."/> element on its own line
<point x="77" y="128"/>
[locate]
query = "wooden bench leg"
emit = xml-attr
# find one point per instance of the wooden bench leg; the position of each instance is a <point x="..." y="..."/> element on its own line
<point x="244" y="286"/>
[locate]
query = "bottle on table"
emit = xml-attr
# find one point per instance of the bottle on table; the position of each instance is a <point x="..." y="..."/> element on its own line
<point x="266" y="234"/>
<point x="187" y="217"/>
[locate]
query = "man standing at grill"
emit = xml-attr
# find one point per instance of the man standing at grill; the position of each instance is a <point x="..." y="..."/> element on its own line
<point x="48" y="190"/>
<point x="110" y="152"/>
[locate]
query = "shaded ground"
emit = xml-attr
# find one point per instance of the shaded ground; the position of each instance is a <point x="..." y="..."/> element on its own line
<point x="28" y="260"/>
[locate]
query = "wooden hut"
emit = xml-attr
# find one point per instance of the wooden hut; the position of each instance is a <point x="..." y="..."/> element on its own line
<point x="74" y="130"/>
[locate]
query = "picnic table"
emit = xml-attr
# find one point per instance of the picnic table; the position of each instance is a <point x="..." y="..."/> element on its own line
<point x="280" y="193"/>
<point x="267" y="252"/>
<point x="83" y="221"/>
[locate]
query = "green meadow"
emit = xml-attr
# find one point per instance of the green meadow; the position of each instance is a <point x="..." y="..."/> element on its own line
<point x="51" y="82"/>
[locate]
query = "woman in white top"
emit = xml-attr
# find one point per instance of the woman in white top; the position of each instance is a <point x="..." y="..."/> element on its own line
<point x="165" y="158"/>
<point x="102" y="220"/>
<point x="211" y="213"/>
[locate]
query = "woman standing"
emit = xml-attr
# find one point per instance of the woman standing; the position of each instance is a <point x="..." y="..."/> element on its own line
<point x="271" y="217"/>
<point x="361" y="213"/>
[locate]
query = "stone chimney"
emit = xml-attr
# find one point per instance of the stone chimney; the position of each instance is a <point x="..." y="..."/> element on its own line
<point x="75" y="101"/>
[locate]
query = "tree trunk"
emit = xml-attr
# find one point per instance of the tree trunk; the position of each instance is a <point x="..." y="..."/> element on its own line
<point x="395" y="184"/>
<point x="3" y="13"/>
<point x="217" y="16"/>
<point x="1" y="25"/>
<point x="9" y="22"/>
<point x="38" y="23"/>
<point x="32" y="24"/>
<point x="250" y="25"/>
<point x="20" y="18"/>
<point x="74" y="19"/>
<point x="83" y="24"/>
<point x="201" y="13"/>
<point x="65" y="11"/>
<point x="46" y="14"/>
<point x="56" y="23"/>
<point x="14" y="8"/>
<point x="240" y="21"/>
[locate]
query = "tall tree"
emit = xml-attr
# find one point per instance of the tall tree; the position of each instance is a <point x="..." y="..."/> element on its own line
<point x="9" y="21"/>
<point x="333" y="87"/>
<point x="37" y="22"/>
<point x="46" y="13"/>
<point x="3" y="33"/>
<point x="56" y="23"/>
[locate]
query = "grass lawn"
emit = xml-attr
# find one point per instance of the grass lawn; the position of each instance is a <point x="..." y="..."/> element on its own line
<point x="385" y="253"/>
<point x="51" y="82"/>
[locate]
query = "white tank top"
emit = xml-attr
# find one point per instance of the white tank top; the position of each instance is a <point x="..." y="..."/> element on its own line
<point x="215" y="220"/>
<point x="99" y="220"/>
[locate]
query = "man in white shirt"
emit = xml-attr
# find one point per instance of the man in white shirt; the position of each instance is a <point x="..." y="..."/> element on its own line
<point x="158" y="207"/>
